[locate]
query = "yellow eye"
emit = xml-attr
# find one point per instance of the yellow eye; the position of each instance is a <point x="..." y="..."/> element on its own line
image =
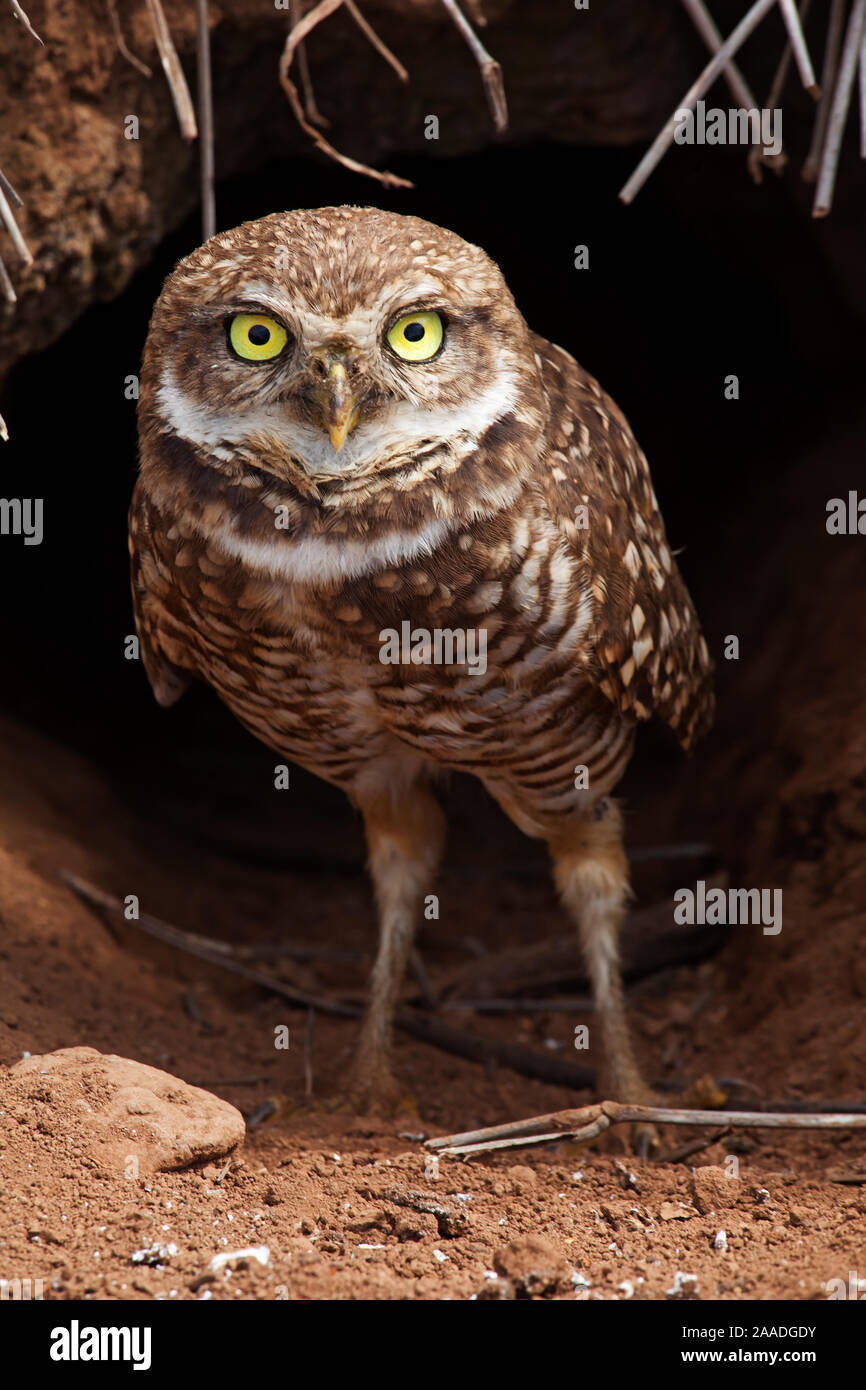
<point x="416" y="337"/>
<point x="256" y="337"/>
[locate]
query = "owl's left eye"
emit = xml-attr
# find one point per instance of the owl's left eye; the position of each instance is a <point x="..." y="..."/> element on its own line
<point x="256" y="337"/>
<point x="416" y="337"/>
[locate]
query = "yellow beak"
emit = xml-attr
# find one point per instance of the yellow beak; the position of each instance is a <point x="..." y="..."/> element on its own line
<point x="337" y="403"/>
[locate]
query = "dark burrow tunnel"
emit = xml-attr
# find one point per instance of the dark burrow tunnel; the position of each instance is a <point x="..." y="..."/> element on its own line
<point x="706" y="277"/>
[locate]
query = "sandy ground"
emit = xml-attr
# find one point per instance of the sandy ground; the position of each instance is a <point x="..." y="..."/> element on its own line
<point x="350" y="1206"/>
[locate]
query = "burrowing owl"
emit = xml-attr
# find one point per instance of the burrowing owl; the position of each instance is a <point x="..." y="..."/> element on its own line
<point x="397" y="532"/>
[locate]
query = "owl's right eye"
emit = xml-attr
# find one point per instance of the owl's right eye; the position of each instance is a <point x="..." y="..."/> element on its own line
<point x="256" y="337"/>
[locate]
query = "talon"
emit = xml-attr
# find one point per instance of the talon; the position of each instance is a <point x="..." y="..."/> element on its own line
<point x="645" y="1141"/>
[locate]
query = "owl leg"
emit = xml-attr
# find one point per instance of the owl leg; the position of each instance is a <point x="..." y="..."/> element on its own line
<point x="405" y="830"/>
<point x="591" y="873"/>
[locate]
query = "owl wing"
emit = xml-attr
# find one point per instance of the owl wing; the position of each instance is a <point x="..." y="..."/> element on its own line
<point x="168" y="665"/>
<point x="650" y="656"/>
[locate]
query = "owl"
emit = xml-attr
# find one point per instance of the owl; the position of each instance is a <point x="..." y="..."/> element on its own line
<point x="398" y="532"/>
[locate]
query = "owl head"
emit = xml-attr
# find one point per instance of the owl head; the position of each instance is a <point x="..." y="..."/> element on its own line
<point x="338" y="343"/>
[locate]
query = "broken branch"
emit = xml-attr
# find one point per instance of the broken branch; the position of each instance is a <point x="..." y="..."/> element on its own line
<point x="121" y="41"/>
<point x="173" y="71"/>
<point x="835" y="27"/>
<point x="797" y="41"/>
<point x="839" y="110"/>
<point x="706" y="27"/>
<point x="22" y="17"/>
<point x="716" y="65"/>
<point x="205" y="111"/>
<point x="491" y="72"/>
<point x="297" y="33"/>
<point x="427" y="1029"/>
<point x="591" y="1120"/>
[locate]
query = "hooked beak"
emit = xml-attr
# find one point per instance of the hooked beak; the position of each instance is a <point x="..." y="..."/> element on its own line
<point x="335" y="400"/>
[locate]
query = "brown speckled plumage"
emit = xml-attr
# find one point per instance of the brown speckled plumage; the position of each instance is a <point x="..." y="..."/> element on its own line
<point x="495" y="487"/>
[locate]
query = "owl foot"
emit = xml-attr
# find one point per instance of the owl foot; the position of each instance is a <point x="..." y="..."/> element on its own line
<point x="644" y="1139"/>
<point x="374" y="1090"/>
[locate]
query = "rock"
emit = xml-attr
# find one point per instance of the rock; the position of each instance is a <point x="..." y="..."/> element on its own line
<point x="685" y="1286"/>
<point x="674" y="1211"/>
<point x="416" y="1225"/>
<point x="712" y="1190"/>
<point x="126" y="1116"/>
<point x="523" y="1178"/>
<point x="533" y="1266"/>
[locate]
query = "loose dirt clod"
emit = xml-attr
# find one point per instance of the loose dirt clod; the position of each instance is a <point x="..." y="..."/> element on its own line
<point x="123" y="1116"/>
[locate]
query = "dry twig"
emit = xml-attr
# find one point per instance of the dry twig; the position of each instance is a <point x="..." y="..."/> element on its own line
<point x="714" y="68"/>
<point x="650" y="942"/>
<point x="835" y="28"/>
<point x="310" y="107"/>
<point x="491" y="72"/>
<point x="20" y="15"/>
<point x="121" y="41"/>
<point x="706" y="27"/>
<point x="296" y="35"/>
<point x="205" y="948"/>
<point x="8" y="294"/>
<point x="797" y="41"/>
<point x="692" y="1147"/>
<point x="757" y="159"/>
<point x="173" y="71"/>
<point x="839" y="110"/>
<point x="370" y="34"/>
<point x="7" y="217"/>
<point x="309" y="1033"/>
<point x="592" y="1120"/>
<point x="205" y="116"/>
<point x="422" y="1026"/>
<point x="14" y="198"/>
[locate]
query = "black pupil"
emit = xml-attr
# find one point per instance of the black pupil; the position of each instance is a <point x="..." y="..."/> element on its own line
<point x="414" y="332"/>
<point x="258" y="334"/>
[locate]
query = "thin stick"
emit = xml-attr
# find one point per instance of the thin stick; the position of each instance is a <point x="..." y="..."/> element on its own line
<point x="8" y="293"/>
<point x="491" y="72"/>
<point x="706" y="27"/>
<point x="121" y="41"/>
<point x="204" y="948"/>
<point x="7" y="217"/>
<point x="173" y="71"/>
<point x="433" y="1031"/>
<point x="288" y="950"/>
<point x="299" y="31"/>
<point x="757" y="159"/>
<point x="694" y="1146"/>
<point x="308" y="1053"/>
<point x="205" y="116"/>
<point x="14" y="198"/>
<point x="312" y="110"/>
<point x="716" y="65"/>
<point x="835" y="29"/>
<point x="419" y="969"/>
<point x="592" y="1120"/>
<point x="518" y="1006"/>
<point x="781" y="73"/>
<point x="20" y="15"/>
<point x="863" y="97"/>
<point x="798" y="44"/>
<point x="839" y="111"/>
<point x="370" y="33"/>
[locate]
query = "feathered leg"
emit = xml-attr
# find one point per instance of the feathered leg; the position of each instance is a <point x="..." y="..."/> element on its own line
<point x="591" y="872"/>
<point x="405" y="831"/>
